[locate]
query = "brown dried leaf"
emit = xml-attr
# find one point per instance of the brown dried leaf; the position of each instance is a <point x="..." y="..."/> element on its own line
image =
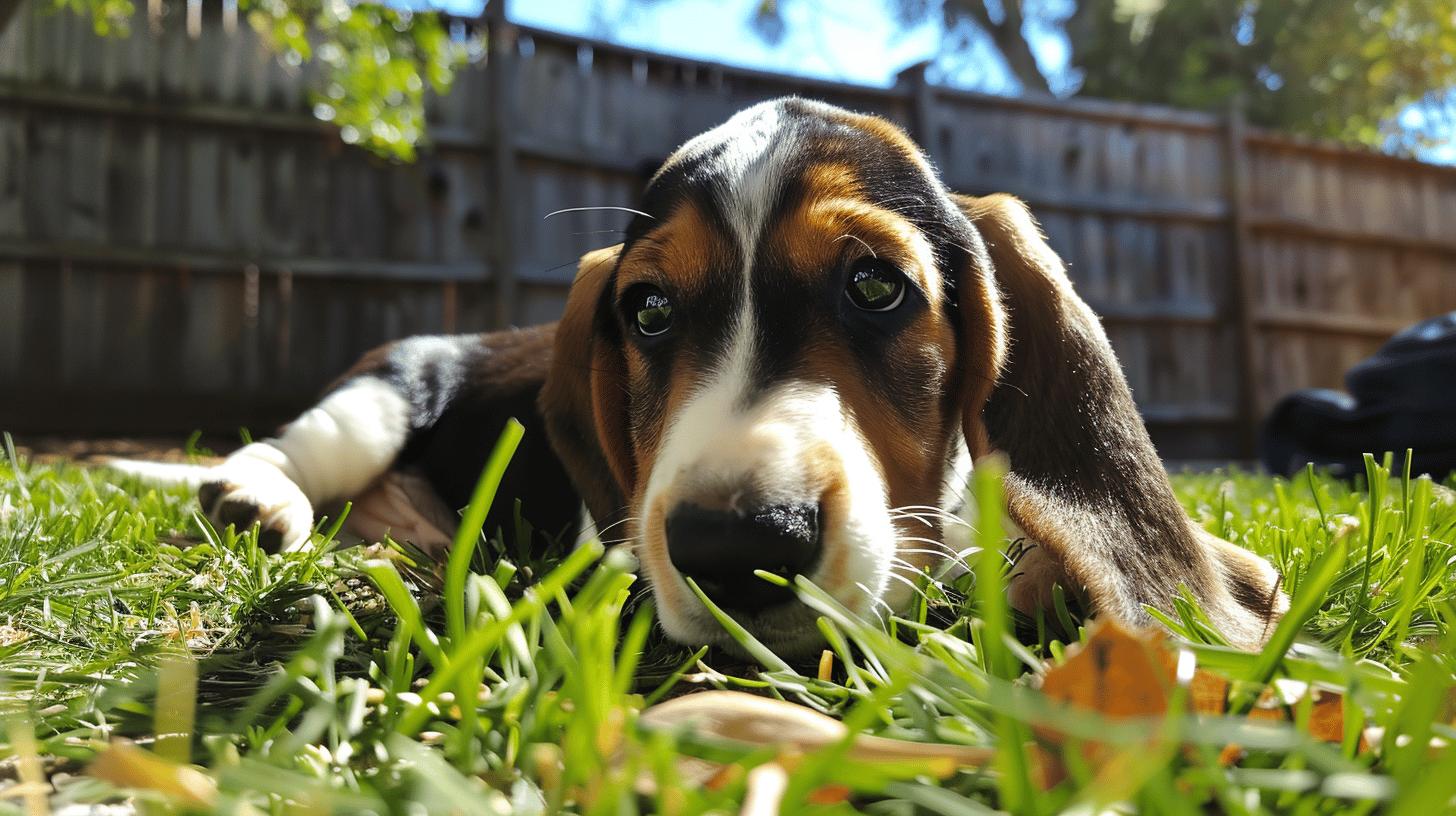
<point x="1124" y="674"/>
<point x="1118" y="672"/>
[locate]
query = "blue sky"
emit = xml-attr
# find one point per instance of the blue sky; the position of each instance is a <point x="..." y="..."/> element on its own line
<point x="857" y="41"/>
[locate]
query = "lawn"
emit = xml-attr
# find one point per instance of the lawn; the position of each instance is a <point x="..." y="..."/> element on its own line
<point x="145" y="657"/>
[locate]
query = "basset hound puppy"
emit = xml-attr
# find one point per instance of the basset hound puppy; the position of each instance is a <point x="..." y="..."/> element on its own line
<point x="789" y="364"/>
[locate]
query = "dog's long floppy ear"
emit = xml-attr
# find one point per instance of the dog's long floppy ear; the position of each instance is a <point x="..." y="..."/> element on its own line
<point x="584" y="397"/>
<point x="1085" y="482"/>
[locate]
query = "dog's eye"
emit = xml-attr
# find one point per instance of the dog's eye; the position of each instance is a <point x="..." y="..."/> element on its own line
<point x="652" y="311"/>
<point x="875" y="285"/>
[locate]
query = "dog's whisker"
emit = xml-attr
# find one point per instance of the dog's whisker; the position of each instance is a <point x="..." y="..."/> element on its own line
<point x="861" y="241"/>
<point x="583" y="536"/>
<point x="601" y="208"/>
<point x="933" y="545"/>
<point x="945" y="557"/>
<point x="933" y="542"/>
<point x="922" y="511"/>
<point x="900" y="563"/>
<point x="945" y="553"/>
<point x="915" y="587"/>
<point x="611" y="542"/>
<point x="877" y="602"/>
<point x="924" y="508"/>
<point x="944" y="561"/>
<point x="618" y="523"/>
<point x="959" y="556"/>
<point x="927" y="520"/>
<point x="598" y="232"/>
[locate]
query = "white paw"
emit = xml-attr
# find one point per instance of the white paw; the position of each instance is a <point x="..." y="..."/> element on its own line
<point x="251" y="487"/>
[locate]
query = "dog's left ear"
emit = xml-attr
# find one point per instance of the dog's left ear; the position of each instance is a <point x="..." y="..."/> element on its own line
<point x="584" y="397"/>
<point x="1084" y="481"/>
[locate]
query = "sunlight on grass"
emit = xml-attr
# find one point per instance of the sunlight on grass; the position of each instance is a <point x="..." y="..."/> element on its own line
<point x="347" y="682"/>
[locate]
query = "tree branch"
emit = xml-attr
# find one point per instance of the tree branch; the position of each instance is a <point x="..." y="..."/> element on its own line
<point x="1007" y="37"/>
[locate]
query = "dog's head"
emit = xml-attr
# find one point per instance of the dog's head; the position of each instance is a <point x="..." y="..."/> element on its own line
<point x="790" y="360"/>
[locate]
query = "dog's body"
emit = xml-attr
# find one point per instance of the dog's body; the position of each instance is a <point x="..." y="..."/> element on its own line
<point x="788" y="365"/>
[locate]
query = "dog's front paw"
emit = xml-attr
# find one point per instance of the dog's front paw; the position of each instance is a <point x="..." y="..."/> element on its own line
<point x="249" y="488"/>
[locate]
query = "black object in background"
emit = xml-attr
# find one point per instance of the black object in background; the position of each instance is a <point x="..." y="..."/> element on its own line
<point x="1402" y="397"/>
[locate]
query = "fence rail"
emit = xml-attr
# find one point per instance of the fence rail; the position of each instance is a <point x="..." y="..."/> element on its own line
<point x="182" y="245"/>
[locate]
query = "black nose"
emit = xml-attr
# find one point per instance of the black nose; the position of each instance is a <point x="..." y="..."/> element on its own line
<point x="720" y="549"/>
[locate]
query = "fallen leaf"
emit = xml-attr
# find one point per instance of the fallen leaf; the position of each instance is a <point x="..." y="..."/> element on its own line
<point x="1117" y="672"/>
<point x="829" y="795"/>
<point x="1125" y="674"/>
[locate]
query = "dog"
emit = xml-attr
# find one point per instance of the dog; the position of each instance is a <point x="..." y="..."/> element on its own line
<point x="790" y="363"/>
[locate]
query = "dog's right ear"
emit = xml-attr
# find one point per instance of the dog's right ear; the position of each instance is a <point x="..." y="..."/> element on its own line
<point x="1085" y="482"/>
<point x="584" y="397"/>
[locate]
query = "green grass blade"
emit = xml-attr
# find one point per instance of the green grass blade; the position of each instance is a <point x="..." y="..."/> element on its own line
<point x="478" y="642"/>
<point x="1305" y="603"/>
<point x="744" y="638"/>
<point x="471" y="522"/>
<point x="990" y="567"/>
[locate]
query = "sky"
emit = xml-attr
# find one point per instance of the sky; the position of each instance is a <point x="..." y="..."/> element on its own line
<point x="858" y="41"/>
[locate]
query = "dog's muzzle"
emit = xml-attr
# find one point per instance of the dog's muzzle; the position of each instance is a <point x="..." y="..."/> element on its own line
<point x="722" y="549"/>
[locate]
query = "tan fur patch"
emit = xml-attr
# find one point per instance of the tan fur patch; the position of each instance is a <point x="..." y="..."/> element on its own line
<point x="650" y="533"/>
<point x="833" y="220"/>
<point x="675" y="253"/>
<point x="889" y="133"/>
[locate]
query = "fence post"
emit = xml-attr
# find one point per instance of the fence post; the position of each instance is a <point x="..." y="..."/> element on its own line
<point x="7" y="13"/>
<point x="501" y="85"/>
<point x="912" y="83"/>
<point x="1245" y="279"/>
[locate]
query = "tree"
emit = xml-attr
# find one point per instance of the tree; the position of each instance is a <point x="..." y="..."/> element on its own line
<point x="378" y="60"/>
<point x="1379" y="72"/>
<point x="1340" y="69"/>
<point x="1005" y="30"/>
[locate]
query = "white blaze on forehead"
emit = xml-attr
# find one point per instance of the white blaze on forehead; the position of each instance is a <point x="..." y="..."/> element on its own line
<point x="745" y="158"/>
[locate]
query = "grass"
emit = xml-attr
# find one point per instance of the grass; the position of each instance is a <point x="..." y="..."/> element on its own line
<point x="354" y="682"/>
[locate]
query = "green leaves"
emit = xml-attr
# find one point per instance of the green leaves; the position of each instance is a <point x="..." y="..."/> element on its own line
<point x="1335" y="70"/>
<point x="378" y="61"/>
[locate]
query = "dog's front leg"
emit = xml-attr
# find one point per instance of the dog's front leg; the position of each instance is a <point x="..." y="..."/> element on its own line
<point x="333" y="450"/>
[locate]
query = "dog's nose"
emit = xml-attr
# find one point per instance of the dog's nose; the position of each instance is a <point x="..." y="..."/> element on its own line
<point x="721" y="549"/>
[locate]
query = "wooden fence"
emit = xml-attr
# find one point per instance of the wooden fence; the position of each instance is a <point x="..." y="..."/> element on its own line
<point x="182" y="246"/>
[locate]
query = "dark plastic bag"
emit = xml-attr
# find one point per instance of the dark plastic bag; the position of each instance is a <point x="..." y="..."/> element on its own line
<point x="1402" y="397"/>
